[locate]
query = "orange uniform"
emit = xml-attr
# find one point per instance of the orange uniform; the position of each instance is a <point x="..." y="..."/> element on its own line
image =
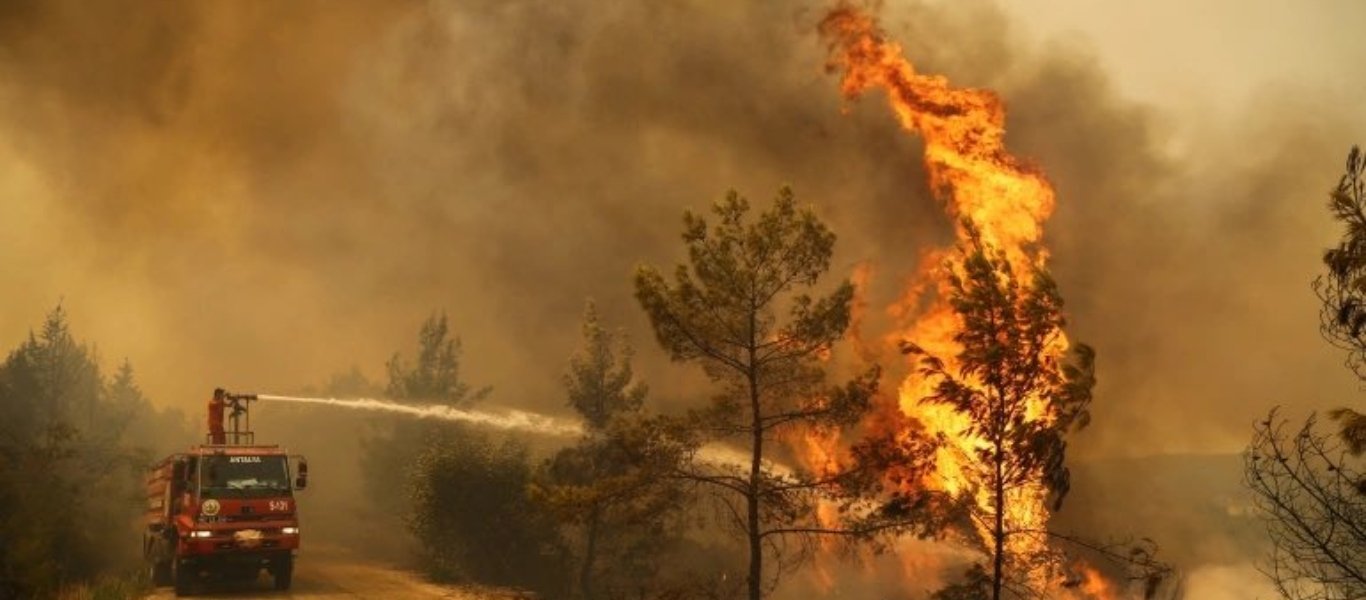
<point x="216" y="434"/>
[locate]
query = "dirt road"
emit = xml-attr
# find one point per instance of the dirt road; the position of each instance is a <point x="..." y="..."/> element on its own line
<point x="332" y="574"/>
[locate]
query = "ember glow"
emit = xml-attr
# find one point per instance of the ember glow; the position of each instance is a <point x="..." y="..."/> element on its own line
<point x="979" y="183"/>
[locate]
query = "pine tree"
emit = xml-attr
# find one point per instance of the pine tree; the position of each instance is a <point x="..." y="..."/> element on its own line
<point x="67" y="437"/>
<point x="1019" y="396"/>
<point x="612" y="487"/>
<point x="392" y="449"/>
<point x="742" y="309"/>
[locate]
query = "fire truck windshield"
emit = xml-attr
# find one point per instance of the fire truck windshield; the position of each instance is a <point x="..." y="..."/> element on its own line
<point x="243" y="476"/>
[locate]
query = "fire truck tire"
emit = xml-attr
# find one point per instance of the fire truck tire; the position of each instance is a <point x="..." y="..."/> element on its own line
<point x="181" y="578"/>
<point x="283" y="573"/>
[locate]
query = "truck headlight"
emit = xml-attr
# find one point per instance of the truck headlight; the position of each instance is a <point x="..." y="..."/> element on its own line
<point x="201" y="534"/>
<point x="289" y="530"/>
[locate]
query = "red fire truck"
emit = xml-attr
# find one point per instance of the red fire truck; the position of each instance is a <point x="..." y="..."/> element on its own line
<point x="224" y="509"/>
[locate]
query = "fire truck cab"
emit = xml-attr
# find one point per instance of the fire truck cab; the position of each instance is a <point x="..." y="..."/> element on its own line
<point x="224" y="509"/>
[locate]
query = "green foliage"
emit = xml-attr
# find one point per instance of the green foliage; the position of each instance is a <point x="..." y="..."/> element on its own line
<point x="1011" y="321"/>
<point x="600" y="383"/>
<point x="471" y="512"/>
<point x="395" y="444"/>
<point x="742" y="308"/>
<point x="463" y="496"/>
<point x="72" y="449"/>
<point x="723" y="303"/>
<point x="435" y="377"/>
<point x="611" y="491"/>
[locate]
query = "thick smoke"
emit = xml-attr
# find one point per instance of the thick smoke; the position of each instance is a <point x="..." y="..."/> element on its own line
<point x="263" y="209"/>
<point x="257" y="195"/>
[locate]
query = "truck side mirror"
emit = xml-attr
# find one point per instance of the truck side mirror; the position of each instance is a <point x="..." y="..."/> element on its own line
<point x="301" y="481"/>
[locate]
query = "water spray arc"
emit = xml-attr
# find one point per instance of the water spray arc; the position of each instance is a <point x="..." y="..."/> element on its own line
<point x="510" y="420"/>
<point x="513" y="420"/>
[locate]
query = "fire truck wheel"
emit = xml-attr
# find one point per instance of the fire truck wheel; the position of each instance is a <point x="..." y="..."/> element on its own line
<point x="181" y="578"/>
<point x="283" y="573"/>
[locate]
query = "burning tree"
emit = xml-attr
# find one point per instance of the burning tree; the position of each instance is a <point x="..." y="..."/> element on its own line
<point x="1019" y="396"/>
<point x="997" y="382"/>
<point x="723" y="311"/>
<point x="1309" y="486"/>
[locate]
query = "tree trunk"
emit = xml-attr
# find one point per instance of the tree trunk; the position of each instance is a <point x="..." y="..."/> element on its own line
<point x="756" y="549"/>
<point x="589" y="555"/>
<point x="998" y="533"/>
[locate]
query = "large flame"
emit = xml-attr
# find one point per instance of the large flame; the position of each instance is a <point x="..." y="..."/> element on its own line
<point x="979" y="182"/>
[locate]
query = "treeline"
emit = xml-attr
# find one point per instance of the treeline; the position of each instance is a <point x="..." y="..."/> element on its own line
<point x="713" y="503"/>
<point x="638" y="507"/>
<point x="596" y="519"/>
<point x="74" y="442"/>
<point x="709" y="503"/>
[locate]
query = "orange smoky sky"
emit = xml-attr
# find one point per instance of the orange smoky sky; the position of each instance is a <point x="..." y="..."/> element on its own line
<point x="257" y="195"/>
